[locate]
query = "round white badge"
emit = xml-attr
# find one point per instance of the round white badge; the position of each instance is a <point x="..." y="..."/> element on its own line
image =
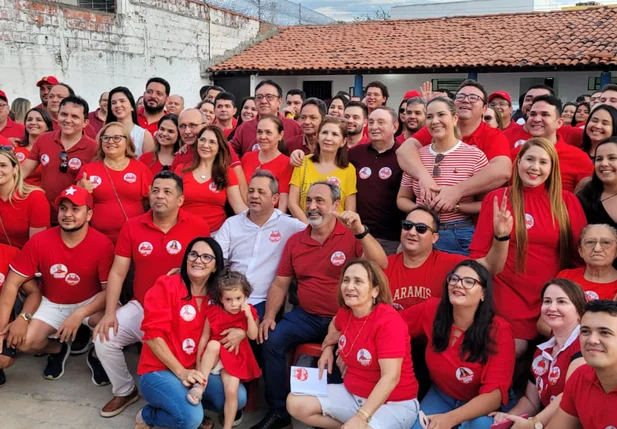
<point x="365" y="173"/>
<point x="44" y="159"/>
<point x="130" y="178"/>
<point x="212" y="187"/>
<point x="255" y="147"/>
<point x="519" y="143"/>
<point x="364" y="357"/>
<point x="591" y="295"/>
<point x="188" y="346"/>
<point x="464" y="375"/>
<point x="173" y="247"/>
<point x="188" y="313"/>
<point x="539" y="385"/>
<point x="275" y="236"/>
<point x="59" y="271"/>
<point x="338" y="258"/>
<point x="72" y="279"/>
<point x="385" y="173"/>
<point x="342" y="341"/>
<point x="553" y="376"/>
<point x="2" y="278"/>
<point x="145" y="248"/>
<point x="74" y="163"/>
<point x="539" y="366"/>
<point x="20" y="157"/>
<point x="96" y="181"/>
<point x="529" y="221"/>
<point x="334" y="181"/>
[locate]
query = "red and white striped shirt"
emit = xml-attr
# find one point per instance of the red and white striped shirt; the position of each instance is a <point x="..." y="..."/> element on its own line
<point x="459" y="164"/>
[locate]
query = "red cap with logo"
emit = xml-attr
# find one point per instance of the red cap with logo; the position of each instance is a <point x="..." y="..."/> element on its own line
<point x="47" y="79"/>
<point x="77" y="195"/>
<point x="3" y="96"/>
<point x="500" y="94"/>
<point x="411" y="94"/>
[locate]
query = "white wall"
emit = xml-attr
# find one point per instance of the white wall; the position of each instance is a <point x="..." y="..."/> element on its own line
<point x="94" y="52"/>
<point x="437" y="9"/>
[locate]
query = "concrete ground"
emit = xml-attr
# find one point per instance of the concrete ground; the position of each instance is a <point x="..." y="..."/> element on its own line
<point x="28" y="401"/>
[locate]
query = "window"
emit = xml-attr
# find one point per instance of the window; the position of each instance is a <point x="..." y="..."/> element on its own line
<point x="98" y="5"/>
<point x="528" y="82"/>
<point x="593" y="83"/>
<point x="449" y="84"/>
<point x="321" y="89"/>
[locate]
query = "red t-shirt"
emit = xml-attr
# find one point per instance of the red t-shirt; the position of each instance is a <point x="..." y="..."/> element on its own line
<point x="33" y="178"/>
<point x="550" y="374"/>
<point x="204" y="200"/>
<point x="517" y="136"/>
<point x="585" y="398"/>
<point x="489" y="140"/>
<point x="574" y="164"/>
<point x="363" y="342"/>
<point x="7" y="254"/>
<point x="178" y="321"/>
<point x="410" y="286"/>
<point x="13" y="130"/>
<point x="143" y="122"/>
<point x="46" y="150"/>
<point x="154" y="252"/>
<point x="458" y="378"/>
<point x="148" y="160"/>
<point x="132" y="185"/>
<point x="21" y="215"/>
<point x="245" y="137"/>
<point x="69" y="275"/>
<point x="187" y="158"/>
<point x="517" y="294"/>
<point x="318" y="267"/>
<point x="279" y="166"/>
<point x="592" y="290"/>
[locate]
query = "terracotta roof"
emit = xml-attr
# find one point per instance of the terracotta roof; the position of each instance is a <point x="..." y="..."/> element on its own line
<point x="560" y="39"/>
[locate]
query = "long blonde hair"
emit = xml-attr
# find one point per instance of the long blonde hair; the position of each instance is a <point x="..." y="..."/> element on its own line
<point x="130" y="146"/>
<point x="20" y="189"/>
<point x="559" y="211"/>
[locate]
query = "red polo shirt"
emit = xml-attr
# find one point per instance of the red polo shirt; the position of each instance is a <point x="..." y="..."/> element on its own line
<point x="13" y="129"/>
<point x="585" y="398"/>
<point x="513" y="125"/>
<point x="574" y="164"/>
<point x="458" y="378"/>
<point x="410" y="286"/>
<point x="245" y="138"/>
<point x="318" y="267"/>
<point x="19" y="215"/>
<point x="143" y="122"/>
<point x="69" y="275"/>
<point x="95" y="121"/>
<point x="7" y="254"/>
<point x="491" y="141"/>
<point x="46" y="150"/>
<point x="293" y="143"/>
<point x="154" y="252"/>
<point x="592" y="290"/>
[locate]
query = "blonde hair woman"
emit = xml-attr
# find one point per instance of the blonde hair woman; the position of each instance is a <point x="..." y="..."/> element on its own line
<point x="24" y="209"/>
<point x="547" y="226"/>
<point x="118" y="182"/>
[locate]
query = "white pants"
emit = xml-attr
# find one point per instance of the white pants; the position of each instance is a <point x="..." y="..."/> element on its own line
<point x="55" y="314"/>
<point x="110" y="352"/>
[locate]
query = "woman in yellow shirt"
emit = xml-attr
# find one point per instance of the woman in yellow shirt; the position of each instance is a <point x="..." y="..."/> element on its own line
<point x="329" y="163"/>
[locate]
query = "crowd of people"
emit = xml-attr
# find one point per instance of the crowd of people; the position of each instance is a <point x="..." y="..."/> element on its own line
<point x="468" y="247"/>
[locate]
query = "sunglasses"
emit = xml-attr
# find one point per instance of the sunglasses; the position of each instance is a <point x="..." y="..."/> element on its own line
<point x="64" y="164"/>
<point x="436" y="168"/>
<point x="488" y="118"/>
<point x="6" y="148"/>
<point x="421" y="228"/>
<point x="402" y="110"/>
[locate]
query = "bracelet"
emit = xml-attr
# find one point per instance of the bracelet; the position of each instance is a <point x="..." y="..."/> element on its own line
<point x="504" y="238"/>
<point x="364" y="414"/>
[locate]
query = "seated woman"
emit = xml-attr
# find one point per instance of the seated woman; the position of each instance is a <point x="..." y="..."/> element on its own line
<point x="451" y="162"/>
<point x="601" y="124"/>
<point x="270" y="156"/>
<point x="166" y="144"/>
<point x="175" y="312"/>
<point x="209" y="180"/>
<point x="547" y="226"/>
<point x="328" y="163"/>
<point x="379" y="387"/>
<point x="470" y="351"/>
<point x="563" y="303"/>
<point x="598" y="248"/>
<point x="24" y="209"/>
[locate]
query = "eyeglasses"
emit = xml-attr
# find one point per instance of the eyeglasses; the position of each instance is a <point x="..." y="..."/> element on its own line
<point x="436" y="168"/>
<point x="488" y="118"/>
<point x="604" y="243"/>
<point x="115" y="139"/>
<point x="269" y="97"/>
<point x="64" y="165"/>
<point x="499" y="104"/>
<point x="401" y="111"/>
<point x="3" y="106"/>
<point x="204" y="140"/>
<point x="421" y="228"/>
<point x="473" y="98"/>
<point x="206" y="258"/>
<point x="466" y="282"/>
<point x="183" y="127"/>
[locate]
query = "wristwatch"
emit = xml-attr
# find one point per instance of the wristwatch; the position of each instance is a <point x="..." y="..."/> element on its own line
<point x="363" y="233"/>
<point x="537" y="424"/>
<point x="364" y="414"/>
<point x="26" y="316"/>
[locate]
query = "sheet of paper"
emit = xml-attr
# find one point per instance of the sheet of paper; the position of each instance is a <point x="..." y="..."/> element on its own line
<point x="305" y="381"/>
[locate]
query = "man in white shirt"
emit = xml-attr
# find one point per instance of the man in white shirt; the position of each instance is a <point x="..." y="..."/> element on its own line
<point x="253" y="241"/>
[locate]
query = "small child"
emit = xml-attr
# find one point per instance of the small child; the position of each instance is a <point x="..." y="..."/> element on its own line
<point x="230" y="310"/>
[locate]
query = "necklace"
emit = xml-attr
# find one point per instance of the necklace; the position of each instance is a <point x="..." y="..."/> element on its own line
<point x="202" y="177"/>
<point x="357" y="335"/>
<point x="610" y="196"/>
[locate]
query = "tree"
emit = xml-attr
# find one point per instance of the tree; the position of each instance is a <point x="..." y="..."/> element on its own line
<point x="378" y="15"/>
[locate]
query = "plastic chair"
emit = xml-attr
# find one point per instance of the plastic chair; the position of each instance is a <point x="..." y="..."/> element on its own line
<point x="309" y="349"/>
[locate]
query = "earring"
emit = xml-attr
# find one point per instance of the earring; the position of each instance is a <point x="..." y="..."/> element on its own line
<point x="374" y="301"/>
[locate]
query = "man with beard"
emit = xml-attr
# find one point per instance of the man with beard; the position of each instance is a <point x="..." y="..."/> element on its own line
<point x="155" y="99"/>
<point x="45" y="85"/>
<point x="315" y="257"/>
<point x="356" y="114"/>
<point x="416" y="116"/>
<point x="74" y="261"/>
<point x="312" y="113"/>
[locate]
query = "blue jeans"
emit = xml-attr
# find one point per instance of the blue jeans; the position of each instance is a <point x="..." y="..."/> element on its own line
<point x="455" y="240"/>
<point x="295" y="328"/>
<point x="167" y="404"/>
<point x="437" y="402"/>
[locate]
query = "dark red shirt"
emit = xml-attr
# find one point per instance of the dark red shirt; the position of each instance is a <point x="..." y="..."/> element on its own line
<point x="245" y="138"/>
<point x="12" y="129"/>
<point x="95" y="122"/>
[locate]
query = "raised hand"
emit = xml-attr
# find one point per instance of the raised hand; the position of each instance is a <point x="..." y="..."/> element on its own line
<point x="503" y="221"/>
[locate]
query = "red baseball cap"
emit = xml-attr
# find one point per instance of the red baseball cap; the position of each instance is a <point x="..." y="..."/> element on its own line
<point x="48" y="79"/>
<point x="3" y="95"/>
<point x="77" y="195"/>
<point x="500" y="94"/>
<point x="411" y="94"/>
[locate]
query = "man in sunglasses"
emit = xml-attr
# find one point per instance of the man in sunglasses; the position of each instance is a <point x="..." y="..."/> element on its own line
<point x="470" y="102"/>
<point x="74" y="261"/>
<point x="154" y="243"/>
<point x="62" y="153"/>
<point x="268" y="98"/>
